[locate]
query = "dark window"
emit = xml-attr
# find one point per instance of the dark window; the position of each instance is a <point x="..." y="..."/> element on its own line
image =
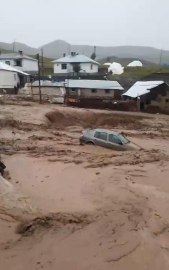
<point x="114" y="139"/>
<point x="18" y="63"/>
<point x="91" y="66"/>
<point x="73" y="90"/>
<point x="7" y="62"/>
<point x="101" y="135"/>
<point x="107" y="91"/>
<point x="64" y="66"/>
<point x="93" y="91"/>
<point x="167" y="100"/>
<point x="148" y="102"/>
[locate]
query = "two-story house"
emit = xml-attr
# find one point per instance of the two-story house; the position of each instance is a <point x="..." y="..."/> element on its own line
<point x="20" y="61"/>
<point x="66" y="64"/>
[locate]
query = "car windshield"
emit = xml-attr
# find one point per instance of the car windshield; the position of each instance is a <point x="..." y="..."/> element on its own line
<point x="123" y="139"/>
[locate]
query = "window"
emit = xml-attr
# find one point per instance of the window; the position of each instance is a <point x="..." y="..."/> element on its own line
<point x="101" y="135"/>
<point x="114" y="139"/>
<point x="93" y="91"/>
<point x="18" y="63"/>
<point x="64" y="66"/>
<point x="8" y="62"/>
<point x="15" y="77"/>
<point x="167" y="100"/>
<point x="91" y="66"/>
<point x="107" y="91"/>
<point x="73" y="90"/>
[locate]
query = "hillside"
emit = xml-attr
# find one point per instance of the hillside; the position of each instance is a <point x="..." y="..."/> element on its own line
<point x="125" y="61"/>
<point x="56" y="49"/>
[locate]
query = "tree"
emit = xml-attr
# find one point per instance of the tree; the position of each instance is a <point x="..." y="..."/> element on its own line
<point x="93" y="56"/>
<point x="76" y="68"/>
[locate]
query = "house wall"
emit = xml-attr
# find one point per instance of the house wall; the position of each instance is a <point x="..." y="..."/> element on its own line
<point x="8" y="79"/>
<point x="162" y="102"/>
<point x="27" y="65"/>
<point x="85" y="68"/>
<point x="99" y="93"/>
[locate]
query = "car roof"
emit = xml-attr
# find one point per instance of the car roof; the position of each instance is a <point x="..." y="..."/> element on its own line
<point x="106" y="130"/>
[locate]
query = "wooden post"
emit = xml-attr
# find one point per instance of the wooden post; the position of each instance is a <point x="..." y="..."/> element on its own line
<point x="40" y="95"/>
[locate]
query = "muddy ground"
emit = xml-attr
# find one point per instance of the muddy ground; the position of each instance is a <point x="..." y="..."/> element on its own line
<point x="82" y="207"/>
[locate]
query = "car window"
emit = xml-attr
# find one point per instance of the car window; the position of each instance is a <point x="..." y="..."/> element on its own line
<point x="101" y="135"/>
<point x="123" y="139"/>
<point x="97" y="134"/>
<point x="114" y="139"/>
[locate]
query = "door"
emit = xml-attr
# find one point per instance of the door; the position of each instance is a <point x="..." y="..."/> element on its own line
<point x="101" y="139"/>
<point x="114" y="142"/>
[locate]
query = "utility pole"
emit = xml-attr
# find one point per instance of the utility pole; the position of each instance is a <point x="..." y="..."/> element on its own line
<point x="40" y="95"/>
<point x="161" y="54"/>
<point x="42" y="61"/>
<point x="14" y="45"/>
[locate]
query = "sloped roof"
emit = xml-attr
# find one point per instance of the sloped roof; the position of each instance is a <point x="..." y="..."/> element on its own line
<point x="79" y="58"/>
<point x="94" y="84"/>
<point x="141" y="88"/>
<point x="4" y="66"/>
<point x="15" y="56"/>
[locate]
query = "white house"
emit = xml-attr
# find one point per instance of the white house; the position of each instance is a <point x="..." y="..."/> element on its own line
<point x="65" y="64"/>
<point x="20" y="61"/>
<point x="10" y="78"/>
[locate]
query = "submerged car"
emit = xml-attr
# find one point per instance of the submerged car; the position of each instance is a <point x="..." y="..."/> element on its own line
<point x="106" y="138"/>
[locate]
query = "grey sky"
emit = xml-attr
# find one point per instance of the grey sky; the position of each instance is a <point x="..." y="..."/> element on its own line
<point x="94" y="22"/>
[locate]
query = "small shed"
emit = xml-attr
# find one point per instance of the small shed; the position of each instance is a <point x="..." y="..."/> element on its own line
<point x="150" y="94"/>
<point x="92" y="90"/>
<point x="53" y="91"/>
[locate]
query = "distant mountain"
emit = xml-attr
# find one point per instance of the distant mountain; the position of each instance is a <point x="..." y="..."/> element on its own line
<point x="56" y="49"/>
<point x="124" y="61"/>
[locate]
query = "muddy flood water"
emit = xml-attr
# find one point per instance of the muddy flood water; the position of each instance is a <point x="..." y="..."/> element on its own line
<point x="66" y="206"/>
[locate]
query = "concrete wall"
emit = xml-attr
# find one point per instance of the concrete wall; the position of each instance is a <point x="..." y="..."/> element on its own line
<point x="99" y="93"/>
<point x="85" y="68"/>
<point x="45" y="90"/>
<point x="8" y="79"/>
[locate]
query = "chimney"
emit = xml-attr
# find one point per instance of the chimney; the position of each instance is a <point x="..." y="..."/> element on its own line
<point x="21" y="52"/>
<point x="64" y="55"/>
<point x="73" y="53"/>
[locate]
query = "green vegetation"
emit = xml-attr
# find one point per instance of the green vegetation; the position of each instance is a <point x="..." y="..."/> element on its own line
<point x="139" y="72"/>
<point x="47" y="65"/>
<point x="76" y="68"/>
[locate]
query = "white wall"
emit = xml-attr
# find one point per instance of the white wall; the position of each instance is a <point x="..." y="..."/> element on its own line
<point x="27" y="65"/>
<point x="88" y="69"/>
<point x="8" y="79"/>
<point x="85" y="68"/>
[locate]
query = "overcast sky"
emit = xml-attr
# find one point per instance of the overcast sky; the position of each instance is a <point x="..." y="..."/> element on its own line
<point x="94" y="22"/>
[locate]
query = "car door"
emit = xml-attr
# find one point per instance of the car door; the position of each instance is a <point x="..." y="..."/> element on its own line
<point x="115" y="143"/>
<point x="101" y="139"/>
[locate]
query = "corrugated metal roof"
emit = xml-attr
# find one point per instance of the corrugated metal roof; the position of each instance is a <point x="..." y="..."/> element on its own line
<point x="4" y="66"/>
<point x="79" y="58"/>
<point x="48" y="83"/>
<point x="94" y="84"/>
<point x="15" y="56"/>
<point x="142" y="88"/>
